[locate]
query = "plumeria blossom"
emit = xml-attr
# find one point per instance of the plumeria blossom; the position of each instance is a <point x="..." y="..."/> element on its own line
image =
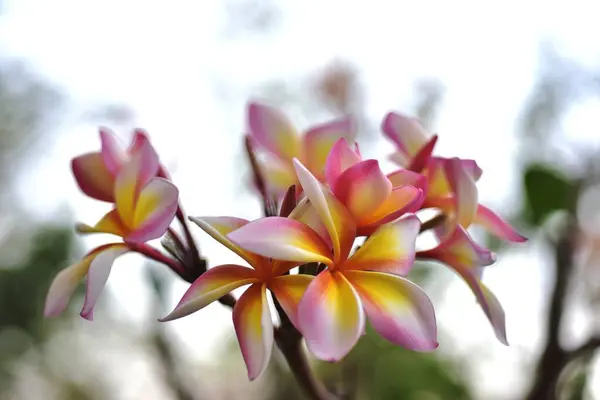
<point x="144" y="204"/>
<point x="451" y="182"/>
<point x="371" y="197"/>
<point x="281" y="142"/>
<point x="251" y="315"/>
<point x="331" y="314"/>
<point x="96" y="172"/>
<point x="467" y="258"/>
<point x="144" y="208"/>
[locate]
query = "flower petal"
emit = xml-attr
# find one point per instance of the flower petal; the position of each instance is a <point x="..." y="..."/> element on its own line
<point x="459" y="251"/>
<point x="496" y="225"/>
<point x="340" y="158"/>
<point x="402" y="200"/>
<point x="330" y="316"/>
<point x="113" y="151"/>
<point x="420" y="160"/>
<point x="282" y="239"/>
<point x="211" y="286"/>
<point x="219" y="228"/>
<point x="254" y="329"/>
<point x="390" y="249"/>
<point x="92" y="176"/>
<point x="333" y="214"/>
<point x="63" y="286"/>
<point x="489" y="303"/>
<point x="110" y="223"/>
<point x="362" y="188"/>
<point x="399" y="310"/>
<point x="278" y="175"/>
<point x="154" y="210"/>
<point x="464" y="190"/>
<point x="438" y="186"/>
<point x="406" y="132"/>
<point x="135" y="174"/>
<point x="289" y="289"/>
<point x="319" y="141"/>
<point x="97" y="275"/>
<point x="307" y="214"/>
<point x="403" y="177"/>
<point x="272" y="129"/>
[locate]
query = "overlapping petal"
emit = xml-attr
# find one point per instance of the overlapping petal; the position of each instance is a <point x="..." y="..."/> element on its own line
<point x="289" y="289"/>
<point x="399" y="310"/>
<point x="464" y="189"/>
<point x="333" y="214"/>
<point x="109" y="223"/>
<point x="406" y="132"/>
<point x="92" y="176"/>
<point x="362" y="188"/>
<point x="112" y="150"/>
<point x="154" y="210"/>
<point x="282" y="239"/>
<point x="390" y="249"/>
<point x="404" y="177"/>
<point x="135" y="174"/>
<point x="277" y="175"/>
<point x="319" y="141"/>
<point x="340" y="158"/>
<point x="272" y="129"/>
<point x="330" y="316"/>
<point x="67" y="280"/>
<point x="211" y="286"/>
<point x="97" y="275"/>
<point x="402" y="200"/>
<point x="254" y="329"/>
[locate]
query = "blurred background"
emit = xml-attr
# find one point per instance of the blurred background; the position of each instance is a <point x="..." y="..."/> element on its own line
<point x="515" y="85"/>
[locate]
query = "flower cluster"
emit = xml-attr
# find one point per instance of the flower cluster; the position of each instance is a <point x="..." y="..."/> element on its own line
<point x="327" y="197"/>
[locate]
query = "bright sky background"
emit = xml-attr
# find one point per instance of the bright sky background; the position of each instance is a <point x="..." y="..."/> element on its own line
<point x="171" y="63"/>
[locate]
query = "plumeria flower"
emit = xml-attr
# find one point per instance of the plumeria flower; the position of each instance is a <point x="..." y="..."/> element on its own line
<point x="451" y="182"/>
<point x="144" y="204"/>
<point x="467" y="258"/>
<point x="331" y="314"/>
<point x="251" y="315"/>
<point x="371" y="197"/>
<point x="144" y="209"/>
<point x="281" y="142"/>
<point x="96" y="172"/>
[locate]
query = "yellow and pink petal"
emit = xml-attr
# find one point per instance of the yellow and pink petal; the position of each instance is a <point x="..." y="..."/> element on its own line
<point x="254" y="329"/>
<point x="272" y="130"/>
<point x="132" y="178"/>
<point x="494" y="224"/>
<point x="391" y="248"/>
<point x="282" y="239"/>
<point x="112" y="150"/>
<point x="154" y="211"/>
<point x="362" y="188"/>
<point x="211" y="286"/>
<point x="330" y="316"/>
<point x="97" y="276"/>
<point x="288" y="290"/>
<point x="402" y="200"/>
<point x="110" y="223"/>
<point x="340" y="158"/>
<point x="331" y="211"/>
<point x="319" y="141"/>
<point x="398" y="310"/>
<point x="92" y="177"/>
<point x="405" y="177"/>
<point x="464" y="191"/>
<point x="219" y="227"/>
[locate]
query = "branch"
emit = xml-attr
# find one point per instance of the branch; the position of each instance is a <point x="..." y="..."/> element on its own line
<point x="586" y="348"/>
<point x="433" y="223"/>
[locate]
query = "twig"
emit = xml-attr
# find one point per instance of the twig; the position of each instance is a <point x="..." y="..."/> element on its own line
<point x="591" y="345"/>
<point x="432" y="223"/>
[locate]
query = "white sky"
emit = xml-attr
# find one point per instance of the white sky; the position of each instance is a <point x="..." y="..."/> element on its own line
<point x="169" y="63"/>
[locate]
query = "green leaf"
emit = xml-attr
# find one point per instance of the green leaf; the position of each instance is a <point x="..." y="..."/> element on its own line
<point x="546" y="191"/>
